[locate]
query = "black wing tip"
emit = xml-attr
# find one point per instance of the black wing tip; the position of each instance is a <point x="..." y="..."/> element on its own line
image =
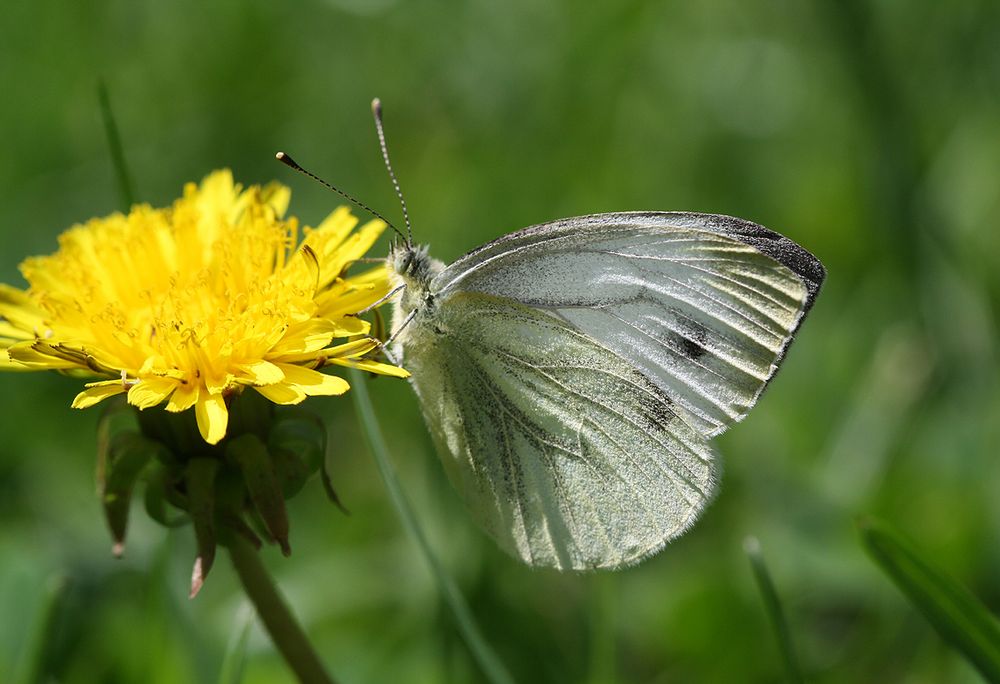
<point x="787" y="252"/>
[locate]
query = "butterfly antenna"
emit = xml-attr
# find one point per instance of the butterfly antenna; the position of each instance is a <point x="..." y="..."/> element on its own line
<point x="377" y="112"/>
<point x="288" y="161"/>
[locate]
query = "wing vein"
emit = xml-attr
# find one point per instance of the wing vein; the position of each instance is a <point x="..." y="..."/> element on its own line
<point x="676" y="467"/>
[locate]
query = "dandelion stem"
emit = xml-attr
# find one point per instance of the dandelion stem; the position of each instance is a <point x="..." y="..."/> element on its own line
<point x="488" y="661"/>
<point x="287" y="635"/>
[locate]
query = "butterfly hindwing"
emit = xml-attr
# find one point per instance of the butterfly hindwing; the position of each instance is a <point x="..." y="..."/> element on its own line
<point x="704" y="306"/>
<point x="568" y="455"/>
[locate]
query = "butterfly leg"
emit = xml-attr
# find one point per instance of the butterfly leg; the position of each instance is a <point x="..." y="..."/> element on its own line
<point x="381" y="301"/>
<point x="390" y="356"/>
<point x="402" y="326"/>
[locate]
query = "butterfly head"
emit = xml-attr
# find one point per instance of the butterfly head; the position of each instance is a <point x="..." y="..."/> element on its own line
<point x="413" y="267"/>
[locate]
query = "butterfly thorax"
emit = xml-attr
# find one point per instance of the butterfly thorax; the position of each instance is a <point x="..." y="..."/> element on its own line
<point x="413" y="268"/>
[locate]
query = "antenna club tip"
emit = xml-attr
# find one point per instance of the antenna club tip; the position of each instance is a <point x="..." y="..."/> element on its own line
<point x="377" y="107"/>
<point x="286" y="160"/>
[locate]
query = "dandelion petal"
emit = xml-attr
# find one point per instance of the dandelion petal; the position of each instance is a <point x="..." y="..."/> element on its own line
<point x="282" y="393"/>
<point x="213" y="417"/>
<point x="150" y="391"/>
<point x="183" y="398"/>
<point x="262" y="373"/>
<point x="96" y="392"/>
<point x="314" y="383"/>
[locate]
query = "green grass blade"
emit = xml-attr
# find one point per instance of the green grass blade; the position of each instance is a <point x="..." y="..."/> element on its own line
<point x="31" y="665"/>
<point x="603" y="623"/>
<point x="236" y="649"/>
<point x="488" y="661"/>
<point x="959" y="618"/>
<point x="126" y="190"/>
<point x="772" y="606"/>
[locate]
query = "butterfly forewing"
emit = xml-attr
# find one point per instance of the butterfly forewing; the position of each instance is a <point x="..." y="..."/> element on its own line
<point x="703" y="306"/>
<point x="567" y="454"/>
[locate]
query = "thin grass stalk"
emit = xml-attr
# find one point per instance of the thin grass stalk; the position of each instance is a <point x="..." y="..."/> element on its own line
<point x="31" y="667"/>
<point x="482" y="652"/>
<point x="126" y="189"/>
<point x="603" y="621"/>
<point x="772" y="606"/>
<point x="236" y="650"/>
<point x="958" y="616"/>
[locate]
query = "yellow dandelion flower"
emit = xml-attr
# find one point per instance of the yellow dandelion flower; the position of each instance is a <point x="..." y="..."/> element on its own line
<point x="191" y="304"/>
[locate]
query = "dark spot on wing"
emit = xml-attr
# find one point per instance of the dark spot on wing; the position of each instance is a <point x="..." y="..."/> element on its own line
<point x="688" y="337"/>
<point x="656" y="405"/>
<point x="690" y="348"/>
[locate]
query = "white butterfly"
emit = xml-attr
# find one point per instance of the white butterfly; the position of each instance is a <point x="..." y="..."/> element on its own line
<point x="572" y="373"/>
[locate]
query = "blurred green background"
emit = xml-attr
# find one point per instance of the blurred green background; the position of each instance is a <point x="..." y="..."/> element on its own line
<point x="867" y="132"/>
